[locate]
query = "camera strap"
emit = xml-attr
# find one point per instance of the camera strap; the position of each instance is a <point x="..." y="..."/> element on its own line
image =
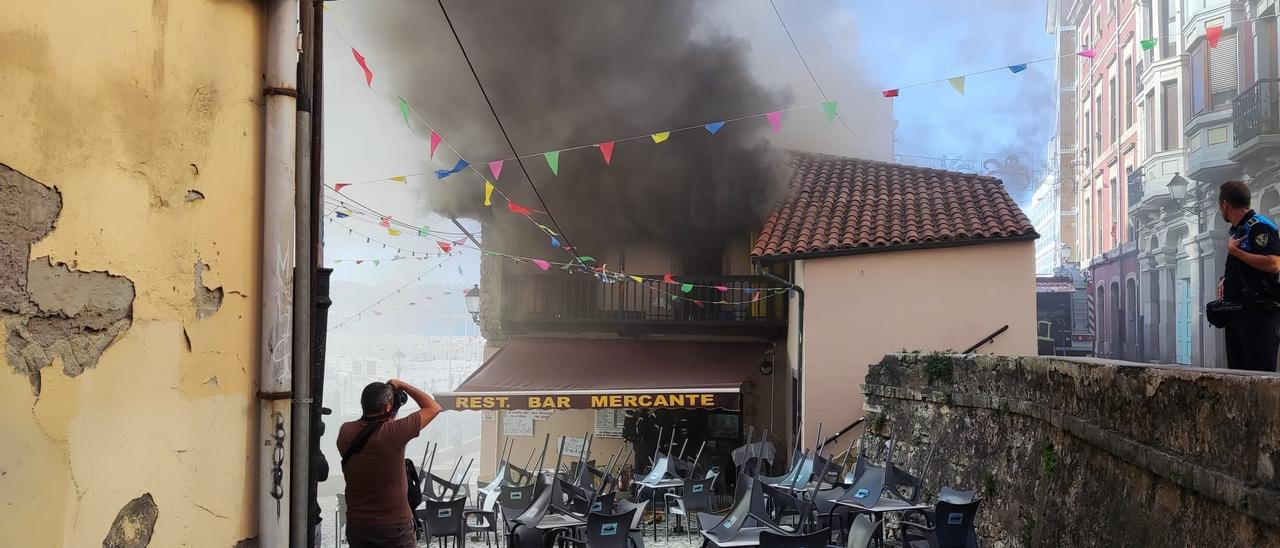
<point x="361" y="439"/>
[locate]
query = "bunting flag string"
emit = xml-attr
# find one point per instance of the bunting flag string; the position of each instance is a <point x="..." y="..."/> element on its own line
<point x="958" y="84"/>
<point x="357" y="315"/>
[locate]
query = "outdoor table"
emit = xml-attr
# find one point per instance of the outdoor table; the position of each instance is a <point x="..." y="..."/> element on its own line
<point x="559" y="521"/>
<point x="658" y="489"/>
<point x="883" y="506"/>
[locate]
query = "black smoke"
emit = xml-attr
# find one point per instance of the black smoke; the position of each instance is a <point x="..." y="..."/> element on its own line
<point x="562" y="74"/>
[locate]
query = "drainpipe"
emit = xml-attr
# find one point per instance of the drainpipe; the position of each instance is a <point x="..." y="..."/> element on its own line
<point x="278" y="259"/>
<point x="798" y="405"/>
<point x="304" y="270"/>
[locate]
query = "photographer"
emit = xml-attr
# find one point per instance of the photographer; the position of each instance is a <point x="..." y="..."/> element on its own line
<point x="378" y="513"/>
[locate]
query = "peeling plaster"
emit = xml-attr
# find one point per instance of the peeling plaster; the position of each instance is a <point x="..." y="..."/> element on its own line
<point x="193" y="195"/>
<point x="47" y="309"/>
<point x="134" y="524"/>
<point x="207" y="300"/>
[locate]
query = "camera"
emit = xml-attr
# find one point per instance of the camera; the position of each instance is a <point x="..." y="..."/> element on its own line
<point x="398" y="398"/>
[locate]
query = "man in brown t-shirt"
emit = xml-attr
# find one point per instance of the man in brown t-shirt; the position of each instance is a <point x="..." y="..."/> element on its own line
<point x="378" y="513"/>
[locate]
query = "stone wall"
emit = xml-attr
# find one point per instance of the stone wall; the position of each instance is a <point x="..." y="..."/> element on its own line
<point x="1088" y="453"/>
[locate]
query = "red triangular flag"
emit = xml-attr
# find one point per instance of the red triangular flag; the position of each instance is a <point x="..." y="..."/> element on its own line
<point x="606" y="149"/>
<point x="1212" y="34"/>
<point x="890" y="92"/>
<point x="435" y="142"/>
<point x="667" y="278"/>
<point x="340" y="186"/>
<point x="445" y="246"/>
<point x="368" y="74"/>
<point x="386" y="222"/>
<point x="517" y="208"/>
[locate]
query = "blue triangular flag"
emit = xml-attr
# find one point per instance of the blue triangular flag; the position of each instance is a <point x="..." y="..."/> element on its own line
<point x="555" y="242"/>
<point x="1017" y="68"/>
<point x="442" y="173"/>
<point x="712" y="128"/>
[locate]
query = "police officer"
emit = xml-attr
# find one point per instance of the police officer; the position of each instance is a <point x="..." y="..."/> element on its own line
<point x="1253" y="261"/>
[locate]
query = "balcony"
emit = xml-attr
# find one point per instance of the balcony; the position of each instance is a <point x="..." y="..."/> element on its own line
<point x="561" y="303"/>
<point x="1256" y="121"/>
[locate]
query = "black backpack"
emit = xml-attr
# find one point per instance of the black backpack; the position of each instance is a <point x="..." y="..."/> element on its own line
<point x="415" y="485"/>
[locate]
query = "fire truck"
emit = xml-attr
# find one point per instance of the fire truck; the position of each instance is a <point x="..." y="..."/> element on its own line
<point x="1062" y="314"/>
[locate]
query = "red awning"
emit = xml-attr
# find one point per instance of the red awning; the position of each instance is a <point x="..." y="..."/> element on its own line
<point x="553" y="373"/>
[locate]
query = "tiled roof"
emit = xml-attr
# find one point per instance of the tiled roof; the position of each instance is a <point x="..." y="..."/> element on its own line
<point x="838" y="205"/>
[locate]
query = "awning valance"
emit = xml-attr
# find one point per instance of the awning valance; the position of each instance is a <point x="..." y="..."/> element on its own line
<point x="553" y="373"/>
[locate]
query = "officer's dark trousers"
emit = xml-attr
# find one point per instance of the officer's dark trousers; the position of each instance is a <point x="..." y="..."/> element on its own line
<point x="1253" y="339"/>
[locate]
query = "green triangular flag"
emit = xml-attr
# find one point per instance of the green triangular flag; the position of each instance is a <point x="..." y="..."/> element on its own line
<point x="1148" y="43"/>
<point x="376" y="263"/>
<point x="686" y="287"/>
<point x="422" y="232"/>
<point x="830" y="107"/>
<point x="553" y="160"/>
<point x="586" y="259"/>
<point x="404" y="109"/>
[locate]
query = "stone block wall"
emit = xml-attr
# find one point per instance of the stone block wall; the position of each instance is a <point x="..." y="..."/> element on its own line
<point x="1088" y="452"/>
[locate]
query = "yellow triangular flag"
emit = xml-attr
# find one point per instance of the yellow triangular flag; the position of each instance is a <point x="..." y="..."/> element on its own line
<point x="488" y="193"/>
<point x="660" y="137"/>
<point x="958" y="83"/>
<point x="393" y="232"/>
<point x="638" y="279"/>
<point x="399" y="178"/>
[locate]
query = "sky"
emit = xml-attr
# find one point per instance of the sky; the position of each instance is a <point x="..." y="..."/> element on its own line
<point x="855" y="47"/>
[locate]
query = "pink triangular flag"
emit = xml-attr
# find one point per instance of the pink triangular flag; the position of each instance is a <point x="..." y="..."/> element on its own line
<point x="338" y="187"/>
<point x="460" y="241"/>
<point x="1087" y="53"/>
<point x="1212" y="34"/>
<point x="386" y="222"/>
<point x="606" y="150"/>
<point x="542" y="264"/>
<point x="435" y="142"/>
<point x="368" y="74"/>
<point x="722" y="288"/>
<point x="495" y="167"/>
<point x="775" y="119"/>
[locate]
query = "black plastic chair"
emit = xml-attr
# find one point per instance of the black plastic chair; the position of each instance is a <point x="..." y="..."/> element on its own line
<point x="830" y="515"/>
<point x="816" y="539"/>
<point x="695" y="497"/>
<point x="444" y="520"/>
<point x="783" y="504"/>
<point x="604" y="531"/>
<point x="636" y="531"/>
<point x="863" y="532"/>
<point x="517" y="498"/>
<point x="482" y="519"/>
<point x="949" y="526"/>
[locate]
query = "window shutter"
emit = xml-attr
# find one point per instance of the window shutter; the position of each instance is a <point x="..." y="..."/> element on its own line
<point x="1223" y="73"/>
<point x="1171" y="127"/>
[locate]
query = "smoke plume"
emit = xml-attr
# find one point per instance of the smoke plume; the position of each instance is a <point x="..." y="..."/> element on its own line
<point x="561" y="74"/>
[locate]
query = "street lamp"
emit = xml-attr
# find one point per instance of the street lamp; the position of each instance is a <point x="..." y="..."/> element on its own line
<point x="472" y="296"/>
<point x="1178" y="191"/>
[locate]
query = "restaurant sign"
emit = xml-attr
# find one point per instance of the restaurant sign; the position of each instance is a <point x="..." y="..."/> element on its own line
<point x="640" y="400"/>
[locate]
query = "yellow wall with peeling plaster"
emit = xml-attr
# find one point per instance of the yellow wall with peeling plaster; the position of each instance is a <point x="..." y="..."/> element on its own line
<point x="112" y="102"/>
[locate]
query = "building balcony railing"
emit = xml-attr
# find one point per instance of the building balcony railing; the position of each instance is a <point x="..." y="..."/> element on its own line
<point x="1256" y="112"/>
<point x="558" y="302"/>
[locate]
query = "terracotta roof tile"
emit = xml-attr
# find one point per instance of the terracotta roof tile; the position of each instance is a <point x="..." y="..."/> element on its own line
<point x="837" y="204"/>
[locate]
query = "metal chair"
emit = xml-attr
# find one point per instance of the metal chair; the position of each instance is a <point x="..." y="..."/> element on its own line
<point x="949" y="526"/>
<point x="604" y="531"/>
<point x="816" y="539"/>
<point x="444" y="520"/>
<point x="694" y="497"/>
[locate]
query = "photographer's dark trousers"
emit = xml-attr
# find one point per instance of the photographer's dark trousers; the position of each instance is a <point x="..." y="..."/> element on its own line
<point x="386" y="536"/>
<point x="1253" y="338"/>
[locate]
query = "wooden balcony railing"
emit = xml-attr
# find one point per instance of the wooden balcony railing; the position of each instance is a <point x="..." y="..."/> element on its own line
<point x="565" y="302"/>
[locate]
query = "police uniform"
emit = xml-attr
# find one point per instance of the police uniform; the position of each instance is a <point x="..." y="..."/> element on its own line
<point x="1253" y="334"/>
